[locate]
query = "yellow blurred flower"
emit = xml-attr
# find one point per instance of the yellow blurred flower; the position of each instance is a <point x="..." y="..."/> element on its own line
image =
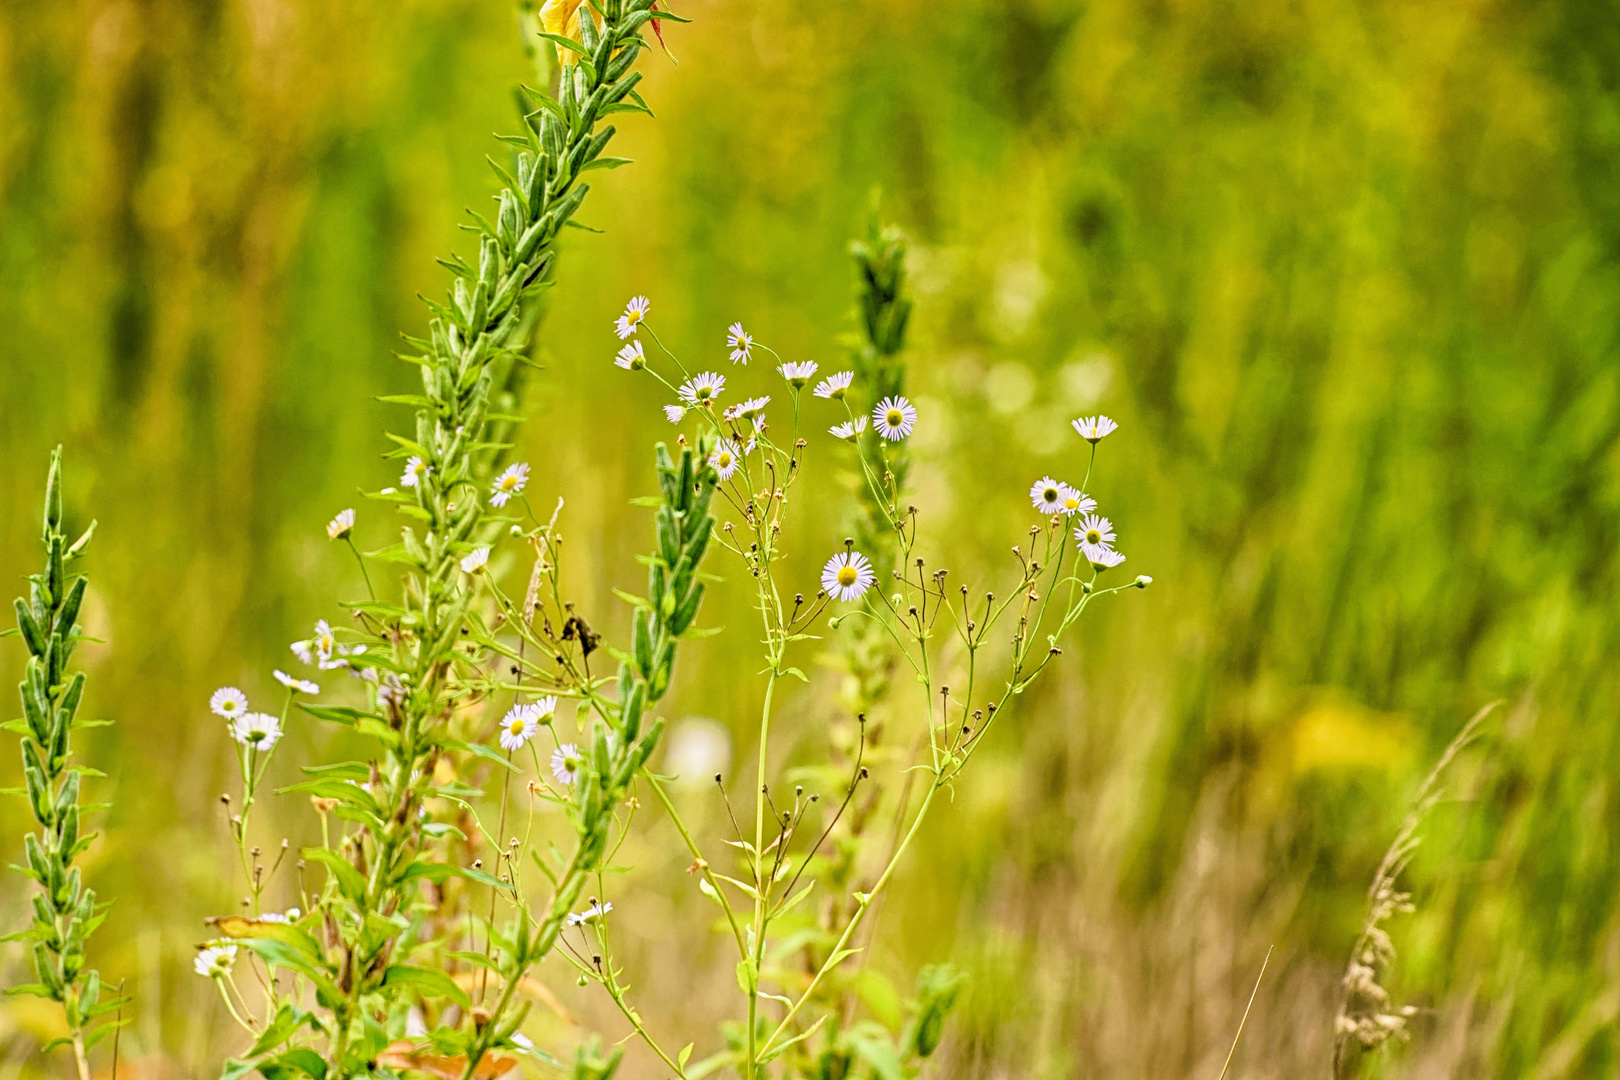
<point x="561" y="17"/>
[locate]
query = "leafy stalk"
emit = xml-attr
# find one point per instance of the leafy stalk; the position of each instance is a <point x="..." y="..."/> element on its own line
<point x="65" y="912"/>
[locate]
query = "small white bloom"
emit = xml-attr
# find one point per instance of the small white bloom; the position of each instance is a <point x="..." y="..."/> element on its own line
<point x="475" y="561"/>
<point x="1142" y="581"/>
<point x="631" y="357"/>
<point x="512" y="481"/>
<point x="256" y="729"/>
<point x="291" y="915"/>
<point x="751" y="408"/>
<point x="849" y="428"/>
<point x="1101" y="558"/>
<point x="1094" y="429"/>
<point x="521" y="723"/>
<point x="228" y="702"/>
<point x="340" y="526"/>
<point x="725" y="458"/>
<point x="798" y="374"/>
<point x="595" y="911"/>
<point x="1094" y="530"/>
<point x="415" y="469"/>
<point x="634" y="312"/>
<point x="565" y="763"/>
<point x="1077" y="502"/>
<point x="301" y="650"/>
<point x="215" y="961"/>
<point x="740" y="342"/>
<point x="847" y="575"/>
<point x="834" y="386"/>
<point x="675" y="413"/>
<point x="702" y="389"/>
<point x="295" y="684"/>
<point x="893" y="418"/>
<point x="1046" y="495"/>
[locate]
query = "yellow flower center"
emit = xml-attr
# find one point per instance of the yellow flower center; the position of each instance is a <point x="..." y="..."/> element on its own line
<point x="725" y="461"/>
<point x="515" y="727"/>
<point x="509" y="483"/>
<point x="1071" y="502"/>
<point x="847" y="575"/>
<point x="1093" y="536"/>
<point x="894" y="416"/>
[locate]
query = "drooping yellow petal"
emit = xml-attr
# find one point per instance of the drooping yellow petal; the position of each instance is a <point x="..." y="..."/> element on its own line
<point x="561" y="17"/>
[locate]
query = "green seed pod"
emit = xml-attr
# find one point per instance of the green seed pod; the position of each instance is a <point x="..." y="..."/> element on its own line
<point x="46" y="970"/>
<point x="31" y="634"/>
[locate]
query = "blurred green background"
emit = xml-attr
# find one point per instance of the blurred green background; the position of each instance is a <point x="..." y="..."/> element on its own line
<point x="1347" y="273"/>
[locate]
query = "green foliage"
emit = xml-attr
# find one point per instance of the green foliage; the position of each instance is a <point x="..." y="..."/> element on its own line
<point x="65" y="909"/>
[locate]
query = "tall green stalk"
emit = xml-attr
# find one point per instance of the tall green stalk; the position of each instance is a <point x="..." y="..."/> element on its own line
<point x="65" y="911"/>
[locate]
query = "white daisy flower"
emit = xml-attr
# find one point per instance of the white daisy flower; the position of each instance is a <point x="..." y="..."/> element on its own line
<point x="256" y="729"/>
<point x="545" y="709"/>
<point x="634" y="312"/>
<point x="740" y="342"/>
<point x="753" y="407"/>
<point x="1076" y="502"/>
<point x="475" y="561"/>
<point x="1094" y="429"/>
<point x="295" y="684"/>
<point x="893" y="418"/>
<point x="631" y="357"/>
<point x="848" y="429"/>
<point x="847" y="575"/>
<point x="1046" y="495"/>
<point x="702" y="389"/>
<point x="415" y="469"/>
<point x="1101" y="558"/>
<point x="726" y="459"/>
<point x="291" y="915"/>
<point x="565" y="763"/>
<point x="301" y="650"/>
<point x="228" y="702"/>
<point x="1094" y="530"/>
<point x="798" y="374"/>
<point x="675" y="413"/>
<point x="511" y="482"/>
<point x="521" y="723"/>
<point x="834" y="386"/>
<point x="215" y="961"/>
<point x="340" y="526"/>
<point x="595" y="911"/>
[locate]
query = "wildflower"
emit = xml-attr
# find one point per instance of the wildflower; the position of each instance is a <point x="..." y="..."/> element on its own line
<point x="1095" y="531"/>
<point x="798" y="374"/>
<point x="595" y="911"/>
<point x="228" y="702"/>
<point x="675" y="413"/>
<point x="1101" y="558"/>
<point x="1142" y="581"/>
<point x="634" y="312"/>
<point x="1046" y="495"/>
<point x="291" y="915"/>
<point x="215" y="961"/>
<point x="476" y="561"/>
<point x="512" y="481"/>
<point x="1076" y="502"/>
<point x="753" y="407"/>
<point x="834" y="386"/>
<point x="561" y="17"/>
<point x="893" y="418"/>
<point x="565" y="763"/>
<point x="848" y="429"/>
<point x="521" y="723"/>
<point x="415" y="469"/>
<point x="545" y="709"/>
<point x="632" y="357"/>
<point x="295" y="684"/>
<point x="256" y="729"/>
<point x="847" y="575"/>
<point x="340" y="527"/>
<point x="725" y="458"/>
<point x="702" y="389"/>
<point x="740" y="342"/>
<point x="1094" y="429"/>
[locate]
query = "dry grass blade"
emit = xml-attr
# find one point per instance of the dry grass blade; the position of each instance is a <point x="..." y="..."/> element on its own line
<point x="1230" y="1054"/>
